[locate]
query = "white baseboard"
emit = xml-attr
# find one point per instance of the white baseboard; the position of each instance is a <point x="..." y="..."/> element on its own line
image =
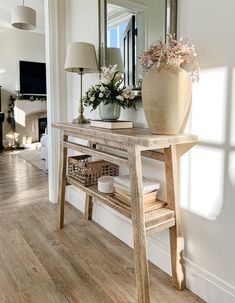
<point x="207" y="286"/>
<point x="204" y="284"/>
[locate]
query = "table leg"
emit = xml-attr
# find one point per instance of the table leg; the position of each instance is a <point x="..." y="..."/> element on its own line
<point x="176" y="235"/>
<point x="62" y="180"/>
<point x="89" y="199"/>
<point x="138" y="220"/>
<point x="88" y="207"/>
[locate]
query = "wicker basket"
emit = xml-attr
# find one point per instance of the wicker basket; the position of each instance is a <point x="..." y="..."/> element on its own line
<point x="87" y="173"/>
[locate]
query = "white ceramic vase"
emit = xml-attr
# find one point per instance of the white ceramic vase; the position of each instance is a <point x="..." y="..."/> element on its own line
<point x="166" y="97"/>
<point x="110" y="111"/>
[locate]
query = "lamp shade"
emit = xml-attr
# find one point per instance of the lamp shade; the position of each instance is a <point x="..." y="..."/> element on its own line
<point x="23" y="17"/>
<point x="114" y="56"/>
<point x="81" y="55"/>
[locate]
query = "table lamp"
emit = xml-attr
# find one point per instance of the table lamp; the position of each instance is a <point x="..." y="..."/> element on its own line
<point x="81" y="59"/>
<point x="114" y="56"/>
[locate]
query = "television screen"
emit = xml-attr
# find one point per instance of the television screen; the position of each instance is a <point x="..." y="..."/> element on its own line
<point x="32" y="78"/>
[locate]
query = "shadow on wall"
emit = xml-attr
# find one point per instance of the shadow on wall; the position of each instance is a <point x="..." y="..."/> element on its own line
<point x="208" y="173"/>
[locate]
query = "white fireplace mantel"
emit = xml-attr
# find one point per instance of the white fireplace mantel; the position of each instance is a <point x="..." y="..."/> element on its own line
<point x="23" y="108"/>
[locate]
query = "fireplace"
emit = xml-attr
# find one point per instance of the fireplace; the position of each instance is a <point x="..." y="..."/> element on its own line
<point x="31" y="121"/>
<point x="42" y="124"/>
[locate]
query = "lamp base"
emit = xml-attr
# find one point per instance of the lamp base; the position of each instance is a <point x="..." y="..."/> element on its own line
<point x="80" y="120"/>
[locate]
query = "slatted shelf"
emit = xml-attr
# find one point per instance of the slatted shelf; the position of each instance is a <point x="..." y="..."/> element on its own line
<point x="158" y="220"/>
<point x="158" y="216"/>
<point x="107" y="199"/>
<point x="155" y="213"/>
<point x="160" y="226"/>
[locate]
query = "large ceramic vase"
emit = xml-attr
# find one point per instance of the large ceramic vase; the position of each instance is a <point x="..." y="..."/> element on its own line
<point x="166" y="99"/>
<point x="109" y="112"/>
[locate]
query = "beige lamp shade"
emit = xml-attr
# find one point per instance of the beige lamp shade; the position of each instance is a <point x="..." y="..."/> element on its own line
<point x="81" y="55"/>
<point x="23" y="17"/>
<point x="114" y="56"/>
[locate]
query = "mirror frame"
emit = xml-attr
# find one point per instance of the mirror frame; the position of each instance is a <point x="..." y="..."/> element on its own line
<point x="102" y="17"/>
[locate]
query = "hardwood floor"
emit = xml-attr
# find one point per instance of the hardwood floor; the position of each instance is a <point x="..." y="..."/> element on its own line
<point x="82" y="263"/>
<point x="20" y="182"/>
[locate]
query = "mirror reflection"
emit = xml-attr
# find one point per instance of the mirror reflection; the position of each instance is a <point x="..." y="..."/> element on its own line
<point x="132" y="26"/>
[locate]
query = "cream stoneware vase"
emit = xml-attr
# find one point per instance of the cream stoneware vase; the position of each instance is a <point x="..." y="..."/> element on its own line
<point x="166" y="97"/>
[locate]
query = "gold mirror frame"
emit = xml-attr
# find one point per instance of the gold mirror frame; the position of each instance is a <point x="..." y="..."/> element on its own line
<point x="170" y="19"/>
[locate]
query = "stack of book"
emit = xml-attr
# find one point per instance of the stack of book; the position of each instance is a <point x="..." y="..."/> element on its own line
<point x="112" y="124"/>
<point x="123" y="193"/>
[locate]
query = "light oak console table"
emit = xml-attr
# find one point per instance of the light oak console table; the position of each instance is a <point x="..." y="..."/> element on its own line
<point x="136" y="143"/>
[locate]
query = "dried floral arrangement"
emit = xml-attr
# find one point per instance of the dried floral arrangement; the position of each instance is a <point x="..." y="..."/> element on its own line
<point x="110" y="90"/>
<point x="172" y="55"/>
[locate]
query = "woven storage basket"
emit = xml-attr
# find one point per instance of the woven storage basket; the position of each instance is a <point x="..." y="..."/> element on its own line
<point x="87" y="173"/>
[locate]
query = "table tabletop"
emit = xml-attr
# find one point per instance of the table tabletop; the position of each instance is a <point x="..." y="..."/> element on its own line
<point x="136" y="136"/>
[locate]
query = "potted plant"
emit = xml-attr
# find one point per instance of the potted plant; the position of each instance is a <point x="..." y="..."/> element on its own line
<point x="109" y="94"/>
<point x="167" y="84"/>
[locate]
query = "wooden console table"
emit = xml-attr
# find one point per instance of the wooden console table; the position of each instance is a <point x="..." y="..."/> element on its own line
<point x="135" y="142"/>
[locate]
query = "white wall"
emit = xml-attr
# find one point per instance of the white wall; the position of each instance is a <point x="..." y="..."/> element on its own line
<point x="17" y="45"/>
<point x="207" y="178"/>
<point x="88" y="24"/>
<point x="208" y="199"/>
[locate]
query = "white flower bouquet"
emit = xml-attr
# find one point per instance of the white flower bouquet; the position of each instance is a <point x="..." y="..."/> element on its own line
<point x="110" y="90"/>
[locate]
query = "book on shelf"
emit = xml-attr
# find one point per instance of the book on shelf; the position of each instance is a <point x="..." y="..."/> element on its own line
<point x="148" y="185"/>
<point x="119" y="124"/>
<point x="147" y="206"/>
<point x="122" y="193"/>
<point x="127" y="199"/>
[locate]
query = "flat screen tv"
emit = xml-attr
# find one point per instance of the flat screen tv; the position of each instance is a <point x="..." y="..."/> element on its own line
<point x="33" y="78"/>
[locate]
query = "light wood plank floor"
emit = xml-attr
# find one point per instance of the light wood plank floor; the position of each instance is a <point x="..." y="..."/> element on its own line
<point x="81" y="263"/>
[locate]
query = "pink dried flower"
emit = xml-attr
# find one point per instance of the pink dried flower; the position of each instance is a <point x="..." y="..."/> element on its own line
<point x="172" y="55"/>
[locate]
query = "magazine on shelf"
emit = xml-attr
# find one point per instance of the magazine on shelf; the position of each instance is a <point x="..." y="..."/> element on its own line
<point x="148" y="185"/>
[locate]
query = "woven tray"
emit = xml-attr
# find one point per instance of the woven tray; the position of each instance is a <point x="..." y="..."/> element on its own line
<point x="87" y="173"/>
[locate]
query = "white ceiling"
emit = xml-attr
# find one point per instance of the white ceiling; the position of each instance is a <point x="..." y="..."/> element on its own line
<point x="117" y="15"/>
<point x="5" y="12"/>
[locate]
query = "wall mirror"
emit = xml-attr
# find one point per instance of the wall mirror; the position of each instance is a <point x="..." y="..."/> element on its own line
<point x="128" y="27"/>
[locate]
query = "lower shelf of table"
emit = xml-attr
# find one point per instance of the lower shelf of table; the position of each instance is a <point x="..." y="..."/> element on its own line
<point x="157" y="218"/>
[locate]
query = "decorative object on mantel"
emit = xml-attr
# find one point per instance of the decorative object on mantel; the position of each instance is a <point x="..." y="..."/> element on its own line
<point x="23" y="17"/>
<point x="167" y="85"/>
<point x="112" y="124"/>
<point x="17" y="90"/>
<point x="110" y="95"/>
<point x="81" y="59"/>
